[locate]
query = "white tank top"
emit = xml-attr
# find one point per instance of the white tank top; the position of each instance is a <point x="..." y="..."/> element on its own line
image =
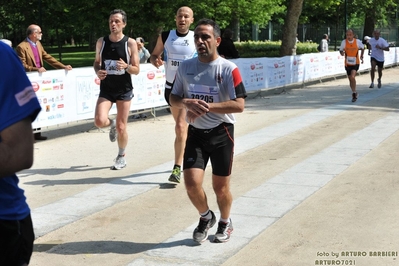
<point x="177" y="49"/>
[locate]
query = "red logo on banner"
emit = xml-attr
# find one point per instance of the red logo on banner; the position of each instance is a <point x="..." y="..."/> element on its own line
<point x="252" y="66"/>
<point x="35" y="86"/>
<point x="150" y="75"/>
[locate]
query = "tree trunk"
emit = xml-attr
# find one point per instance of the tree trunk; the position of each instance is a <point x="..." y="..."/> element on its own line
<point x="235" y="27"/>
<point x="369" y="24"/>
<point x="288" y="45"/>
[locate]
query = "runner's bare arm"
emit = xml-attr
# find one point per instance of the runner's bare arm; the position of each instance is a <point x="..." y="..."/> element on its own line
<point x="155" y="58"/>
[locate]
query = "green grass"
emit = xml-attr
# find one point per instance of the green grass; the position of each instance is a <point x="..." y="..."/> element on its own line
<point x="74" y="56"/>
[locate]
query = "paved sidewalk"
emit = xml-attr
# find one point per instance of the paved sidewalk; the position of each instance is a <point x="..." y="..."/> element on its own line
<point x="315" y="181"/>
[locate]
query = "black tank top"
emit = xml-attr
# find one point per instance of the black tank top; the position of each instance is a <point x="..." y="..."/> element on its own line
<point x="116" y="80"/>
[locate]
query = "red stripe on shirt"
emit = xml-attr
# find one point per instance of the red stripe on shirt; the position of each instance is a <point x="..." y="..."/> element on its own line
<point x="237" y="79"/>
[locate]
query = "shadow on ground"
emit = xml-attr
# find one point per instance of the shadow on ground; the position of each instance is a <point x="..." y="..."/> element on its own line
<point x="103" y="247"/>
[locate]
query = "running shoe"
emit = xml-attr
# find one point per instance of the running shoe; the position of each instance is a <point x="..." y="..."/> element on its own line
<point x="175" y="176"/>
<point x="113" y="134"/>
<point x="120" y="163"/>
<point x="371" y="85"/>
<point x="139" y="116"/>
<point x="201" y="231"/>
<point x="223" y="233"/>
<point x="379" y="83"/>
<point x="354" y="96"/>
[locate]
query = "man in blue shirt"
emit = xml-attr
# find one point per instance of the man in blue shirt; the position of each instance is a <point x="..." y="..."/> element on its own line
<point x="18" y="108"/>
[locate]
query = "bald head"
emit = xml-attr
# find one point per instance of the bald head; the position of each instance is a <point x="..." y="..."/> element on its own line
<point x="34" y="33"/>
<point x="185" y="9"/>
<point x="184" y="18"/>
<point x="31" y="29"/>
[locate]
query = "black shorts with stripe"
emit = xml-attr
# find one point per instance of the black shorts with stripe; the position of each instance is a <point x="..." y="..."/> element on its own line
<point x="216" y="144"/>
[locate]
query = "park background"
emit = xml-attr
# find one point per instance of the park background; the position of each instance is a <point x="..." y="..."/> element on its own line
<point x="262" y="27"/>
<point x="70" y="96"/>
<point x="277" y="42"/>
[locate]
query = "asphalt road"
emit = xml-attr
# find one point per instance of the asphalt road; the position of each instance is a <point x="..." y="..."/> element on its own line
<point x="315" y="181"/>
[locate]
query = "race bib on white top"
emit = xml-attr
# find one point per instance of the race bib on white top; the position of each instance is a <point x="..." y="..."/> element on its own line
<point x="174" y="64"/>
<point x="206" y="93"/>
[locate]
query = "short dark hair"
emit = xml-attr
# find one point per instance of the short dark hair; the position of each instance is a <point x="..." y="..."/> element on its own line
<point x="206" y="21"/>
<point x="351" y="30"/>
<point x="119" y="11"/>
<point x="325" y="36"/>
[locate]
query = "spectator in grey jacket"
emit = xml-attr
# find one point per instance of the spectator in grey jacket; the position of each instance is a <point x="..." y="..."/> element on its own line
<point x="143" y="52"/>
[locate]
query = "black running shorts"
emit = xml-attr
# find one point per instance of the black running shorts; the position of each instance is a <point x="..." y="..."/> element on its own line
<point x="216" y="144"/>
<point x="380" y="64"/>
<point x="117" y="96"/>
<point x="350" y="68"/>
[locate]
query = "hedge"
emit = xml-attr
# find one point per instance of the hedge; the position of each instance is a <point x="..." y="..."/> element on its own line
<point x="251" y="49"/>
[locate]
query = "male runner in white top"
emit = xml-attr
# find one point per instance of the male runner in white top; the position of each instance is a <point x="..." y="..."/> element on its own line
<point x="177" y="46"/>
<point x="210" y="89"/>
<point x="378" y="46"/>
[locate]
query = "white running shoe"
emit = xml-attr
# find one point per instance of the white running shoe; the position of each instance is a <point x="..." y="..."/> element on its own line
<point x="120" y="163"/>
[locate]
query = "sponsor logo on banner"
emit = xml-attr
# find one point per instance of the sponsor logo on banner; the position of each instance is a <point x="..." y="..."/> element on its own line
<point x="35" y="86"/>
<point x="150" y="75"/>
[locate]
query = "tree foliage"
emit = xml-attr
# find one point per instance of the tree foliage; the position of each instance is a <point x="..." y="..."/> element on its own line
<point x="84" y="21"/>
<point x="145" y="18"/>
<point x="370" y="13"/>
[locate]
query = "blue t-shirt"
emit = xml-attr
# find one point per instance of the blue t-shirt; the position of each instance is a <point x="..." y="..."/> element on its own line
<point x="17" y="101"/>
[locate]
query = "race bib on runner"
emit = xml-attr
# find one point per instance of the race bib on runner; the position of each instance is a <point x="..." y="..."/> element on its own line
<point x="208" y="94"/>
<point x="350" y="60"/>
<point x="110" y="67"/>
<point x="174" y="64"/>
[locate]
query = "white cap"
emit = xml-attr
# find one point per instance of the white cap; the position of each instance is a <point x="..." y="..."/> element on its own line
<point x="366" y="38"/>
<point x="140" y="39"/>
<point x="6" y="41"/>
